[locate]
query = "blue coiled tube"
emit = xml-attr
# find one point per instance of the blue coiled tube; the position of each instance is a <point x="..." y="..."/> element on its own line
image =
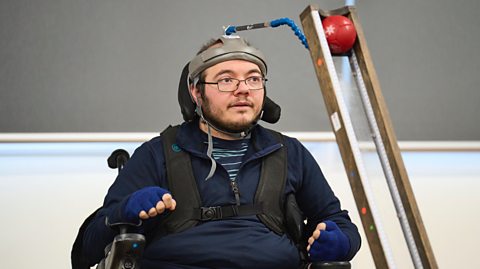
<point x="275" y="23"/>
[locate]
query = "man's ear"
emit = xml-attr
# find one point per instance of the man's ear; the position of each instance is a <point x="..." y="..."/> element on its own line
<point x="194" y="93"/>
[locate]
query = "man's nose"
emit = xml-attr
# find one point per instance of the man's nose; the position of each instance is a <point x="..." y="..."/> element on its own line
<point x="242" y="87"/>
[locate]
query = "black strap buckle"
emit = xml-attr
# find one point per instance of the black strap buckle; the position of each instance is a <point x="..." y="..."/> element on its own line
<point x="227" y="211"/>
<point x="210" y="213"/>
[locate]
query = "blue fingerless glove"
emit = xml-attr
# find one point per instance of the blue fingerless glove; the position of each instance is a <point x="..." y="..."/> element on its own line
<point x="332" y="245"/>
<point x="143" y="199"/>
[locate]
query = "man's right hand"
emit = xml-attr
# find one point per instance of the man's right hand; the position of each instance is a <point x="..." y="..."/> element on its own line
<point x="148" y="202"/>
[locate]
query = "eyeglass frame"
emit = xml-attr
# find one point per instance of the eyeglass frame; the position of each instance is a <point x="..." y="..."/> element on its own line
<point x="238" y="84"/>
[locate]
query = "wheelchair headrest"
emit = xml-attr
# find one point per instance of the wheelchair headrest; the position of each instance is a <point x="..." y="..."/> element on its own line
<point x="271" y="111"/>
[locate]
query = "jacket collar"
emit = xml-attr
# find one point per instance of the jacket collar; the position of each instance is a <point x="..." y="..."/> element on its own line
<point x="191" y="138"/>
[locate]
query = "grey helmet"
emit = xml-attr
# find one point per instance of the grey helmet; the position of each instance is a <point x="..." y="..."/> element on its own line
<point x="233" y="48"/>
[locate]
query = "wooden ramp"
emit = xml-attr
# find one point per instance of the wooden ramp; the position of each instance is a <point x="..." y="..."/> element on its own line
<point x="383" y="137"/>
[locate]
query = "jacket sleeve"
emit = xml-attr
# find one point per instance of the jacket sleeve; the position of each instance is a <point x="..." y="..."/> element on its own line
<point x="315" y="196"/>
<point x="140" y="171"/>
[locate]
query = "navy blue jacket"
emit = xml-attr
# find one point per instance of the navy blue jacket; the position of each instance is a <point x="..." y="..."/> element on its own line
<point x="240" y="242"/>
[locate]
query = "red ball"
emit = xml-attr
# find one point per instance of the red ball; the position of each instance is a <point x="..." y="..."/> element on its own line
<point x="340" y="33"/>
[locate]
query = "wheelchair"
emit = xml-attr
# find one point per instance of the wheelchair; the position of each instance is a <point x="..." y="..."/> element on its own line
<point x="126" y="249"/>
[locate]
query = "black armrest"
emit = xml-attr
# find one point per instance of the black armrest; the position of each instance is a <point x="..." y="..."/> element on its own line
<point x="330" y="265"/>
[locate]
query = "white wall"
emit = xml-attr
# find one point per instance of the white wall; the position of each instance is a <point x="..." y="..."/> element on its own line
<point x="47" y="189"/>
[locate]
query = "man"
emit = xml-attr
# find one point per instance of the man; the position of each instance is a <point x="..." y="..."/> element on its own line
<point x="224" y="206"/>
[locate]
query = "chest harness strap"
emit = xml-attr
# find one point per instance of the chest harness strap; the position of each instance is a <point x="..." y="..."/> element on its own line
<point x="268" y="203"/>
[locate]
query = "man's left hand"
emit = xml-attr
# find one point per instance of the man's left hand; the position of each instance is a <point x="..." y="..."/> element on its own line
<point x="328" y="243"/>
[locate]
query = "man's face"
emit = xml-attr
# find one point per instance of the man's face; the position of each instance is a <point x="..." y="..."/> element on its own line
<point x="233" y="111"/>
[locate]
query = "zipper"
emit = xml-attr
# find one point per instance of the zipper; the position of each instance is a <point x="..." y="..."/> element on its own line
<point x="257" y="155"/>
<point x="236" y="191"/>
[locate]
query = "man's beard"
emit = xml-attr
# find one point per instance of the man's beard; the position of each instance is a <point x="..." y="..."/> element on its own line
<point x="230" y="127"/>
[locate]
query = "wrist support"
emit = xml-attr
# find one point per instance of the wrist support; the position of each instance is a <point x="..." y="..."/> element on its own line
<point x="332" y="245"/>
<point x="143" y="199"/>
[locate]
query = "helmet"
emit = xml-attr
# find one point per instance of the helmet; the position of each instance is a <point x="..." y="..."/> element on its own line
<point x="233" y="48"/>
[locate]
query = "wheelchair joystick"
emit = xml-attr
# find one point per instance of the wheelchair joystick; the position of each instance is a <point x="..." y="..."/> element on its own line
<point x="126" y="249"/>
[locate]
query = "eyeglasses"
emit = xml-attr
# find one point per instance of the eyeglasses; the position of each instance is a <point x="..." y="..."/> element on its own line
<point x="231" y="84"/>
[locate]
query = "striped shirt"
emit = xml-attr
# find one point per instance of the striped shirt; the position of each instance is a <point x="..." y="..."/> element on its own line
<point x="230" y="154"/>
